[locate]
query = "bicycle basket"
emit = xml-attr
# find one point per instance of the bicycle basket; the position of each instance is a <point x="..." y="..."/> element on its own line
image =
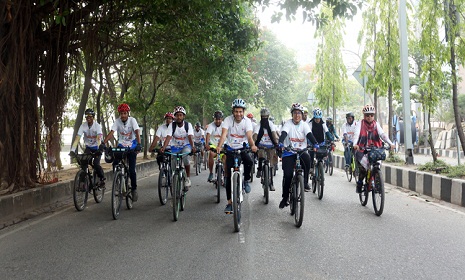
<point x="119" y="153"/>
<point x="376" y="154"/>
<point x="84" y="159"/>
<point x="321" y="152"/>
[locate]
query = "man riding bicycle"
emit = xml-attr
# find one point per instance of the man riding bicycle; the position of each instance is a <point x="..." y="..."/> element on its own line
<point x="93" y="135"/>
<point x="129" y="137"/>
<point x="213" y="137"/>
<point x="320" y="131"/>
<point x="297" y="133"/>
<point x="237" y="130"/>
<point x="368" y="133"/>
<point x="199" y="139"/>
<point x="160" y="136"/>
<point x="331" y="128"/>
<point x="348" y="131"/>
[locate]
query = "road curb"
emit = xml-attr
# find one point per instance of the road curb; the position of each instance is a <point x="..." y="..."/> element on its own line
<point x="19" y="206"/>
<point x="437" y="186"/>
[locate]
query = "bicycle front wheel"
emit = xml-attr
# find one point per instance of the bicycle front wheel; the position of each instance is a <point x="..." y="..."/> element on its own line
<point x="128" y="194"/>
<point x="299" y="200"/>
<point x="80" y="190"/>
<point x="266" y="183"/>
<point x="331" y="164"/>
<point x="378" y="192"/>
<point x="363" y="195"/>
<point x="117" y="194"/>
<point x="183" y="194"/>
<point x="348" y="170"/>
<point x="163" y="186"/>
<point x="320" y="180"/>
<point x="196" y="164"/>
<point x="236" y="188"/>
<point x="219" y="179"/>
<point x="98" y="192"/>
<point x="175" y="196"/>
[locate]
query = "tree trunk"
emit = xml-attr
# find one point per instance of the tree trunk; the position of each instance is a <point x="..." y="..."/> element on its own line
<point x="430" y="139"/>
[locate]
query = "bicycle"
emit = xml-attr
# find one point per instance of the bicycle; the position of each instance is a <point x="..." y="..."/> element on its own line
<point x="267" y="174"/>
<point x="179" y="190"/>
<point x="237" y="186"/>
<point x="120" y="186"/>
<point x="374" y="182"/>
<point x="352" y="169"/>
<point x="198" y="158"/>
<point x="252" y="170"/>
<point x="318" y="179"/>
<point x="297" y="189"/>
<point x="218" y="181"/>
<point x="205" y="159"/>
<point x="164" y="178"/>
<point x="328" y="162"/>
<point x="86" y="181"/>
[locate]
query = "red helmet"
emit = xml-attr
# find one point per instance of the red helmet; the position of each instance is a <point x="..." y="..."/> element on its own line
<point x="123" y="107"/>
<point x="250" y="115"/>
<point x="169" y="115"/>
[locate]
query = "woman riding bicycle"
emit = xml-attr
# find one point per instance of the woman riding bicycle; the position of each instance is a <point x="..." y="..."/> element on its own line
<point x="368" y="133"/>
<point x="295" y="132"/>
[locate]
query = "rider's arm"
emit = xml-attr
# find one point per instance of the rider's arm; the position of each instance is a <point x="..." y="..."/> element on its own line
<point x="383" y="135"/>
<point x="207" y="139"/>
<point x="311" y="138"/>
<point x="105" y="141"/>
<point x="76" y="142"/>
<point x="283" y="136"/>
<point x="356" y="135"/>
<point x="154" y="143"/>
<point x="250" y="140"/>
<point x="224" y="132"/>
<point x="169" y="132"/>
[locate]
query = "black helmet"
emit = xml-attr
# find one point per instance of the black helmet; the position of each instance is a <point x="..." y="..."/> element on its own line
<point x="108" y="156"/>
<point x="197" y="124"/>
<point x="218" y="115"/>
<point x="88" y="112"/>
<point x="350" y="114"/>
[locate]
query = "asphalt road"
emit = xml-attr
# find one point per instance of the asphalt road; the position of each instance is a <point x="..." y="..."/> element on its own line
<point x="339" y="239"/>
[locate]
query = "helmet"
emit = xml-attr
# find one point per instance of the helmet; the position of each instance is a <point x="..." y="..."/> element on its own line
<point x="317" y="113"/>
<point x="178" y="109"/>
<point x="250" y="115"/>
<point x="238" y="103"/>
<point x="272" y="119"/>
<point x="123" y="107"/>
<point x="197" y="124"/>
<point x="265" y="112"/>
<point x="368" y="109"/>
<point x="218" y="115"/>
<point x="297" y="106"/>
<point x="305" y="110"/>
<point x="350" y="114"/>
<point x="109" y="156"/>
<point x="89" y="112"/>
<point x="329" y="119"/>
<point x="169" y="115"/>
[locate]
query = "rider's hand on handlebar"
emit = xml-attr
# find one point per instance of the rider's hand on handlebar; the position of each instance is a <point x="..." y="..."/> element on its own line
<point x="254" y="148"/>
<point x="72" y="154"/>
<point x="356" y="147"/>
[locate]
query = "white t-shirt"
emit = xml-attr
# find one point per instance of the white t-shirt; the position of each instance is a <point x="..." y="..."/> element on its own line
<point x="90" y="133"/>
<point x="296" y="135"/>
<point x="126" y="131"/>
<point x="349" y="130"/>
<point x="215" y="133"/>
<point x="199" y="135"/>
<point x="237" y="131"/>
<point x="180" y="138"/>
<point x="161" y="133"/>
<point x="266" y="138"/>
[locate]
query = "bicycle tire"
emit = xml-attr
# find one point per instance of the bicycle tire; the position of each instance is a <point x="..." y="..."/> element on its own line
<point x="252" y="170"/>
<point x="266" y="183"/>
<point x="116" y="194"/>
<point x="291" y="197"/>
<point x="299" y="201"/>
<point x="205" y="160"/>
<point x="363" y="195"/>
<point x="377" y="192"/>
<point x="349" y="174"/>
<point x="97" y="191"/>
<point x="163" y="186"/>
<point x="196" y="159"/>
<point x="175" y="196"/>
<point x="128" y="194"/>
<point x="199" y="162"/>
<point x="320" y="181"/>
<point x="80" y="190"/>
<point x="331" y="164"/>
<point x="219" y="175"/>
<point x="236" y="188"/>
<point x="326" y="164"/>
<point x="314" y="178"/>
<point x="183" y="194"/>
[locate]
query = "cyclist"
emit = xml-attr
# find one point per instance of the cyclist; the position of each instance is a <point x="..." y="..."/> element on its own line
<point x="320" y="131"/>
<point x="265" y="135"/>
<point x="237" y="130"/>
<point x="213" y="137"/>
<point x="182" y="133"/>
<point x="305" y="115"/>
<point x="199" y="139"/>
<point x="295" y="132"/>
<point x="160" y="136"/>
<point x="348" y="131"/>
<point x="367" y="133"/>
<point x="93" y="135"/>
<point x="331" y="128"/>
<point x="128" y="136"/>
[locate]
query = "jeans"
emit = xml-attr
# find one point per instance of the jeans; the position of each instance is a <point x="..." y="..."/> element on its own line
<point x="247" y="161"/>
<point x="131" y="160"/>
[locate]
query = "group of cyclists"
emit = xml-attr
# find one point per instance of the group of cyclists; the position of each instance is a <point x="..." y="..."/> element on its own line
<point x="234" y="132"/>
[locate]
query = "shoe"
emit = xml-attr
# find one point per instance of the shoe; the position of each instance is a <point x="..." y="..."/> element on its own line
<point x="210" y="177"/>
<point x="283" y="203"/>
<point x="101" y="184"/>
<point x="135" y="196"/>
<point x="307" y="188"/>
<point x="259" y="174"/>
<point x="358" y="189"/>
<point x="247" y="187"/>
<point x="228" y="209"/>
<point x="187" y="182"/>
<point x="311" y="171"/>
<point x="272" y="187"/>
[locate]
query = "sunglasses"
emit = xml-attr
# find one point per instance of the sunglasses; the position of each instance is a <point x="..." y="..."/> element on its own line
<point x="89" y="116"/>
<point x="369" y="115"/>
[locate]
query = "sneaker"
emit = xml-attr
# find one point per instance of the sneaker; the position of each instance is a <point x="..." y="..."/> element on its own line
<point x="358" y="189"/>
<point x="228" y="209"/>
<point x="101" y="184"/>
<point x="307" y="188"/>
<point x="272" y="187"/>
<point x="247" y="187"/>
<point x="210" y="177"/>
<point x="283" y="203"/>
<point x="187" y="182"/>
<point x="259" y="174"/>
<point x="135" y="196"/>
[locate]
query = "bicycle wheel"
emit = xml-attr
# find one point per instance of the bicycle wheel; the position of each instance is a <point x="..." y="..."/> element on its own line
<point x="205" y="160"/>
<point x="299" y="200"/>
<point x="320" y="181"/>
<point x="291" y="196"/>
<point x="128" y="194"/>
<point x="175" y="196"/>
<point x="331" y="164"/>
<point x="199" y="162"/>
<point x="236" y="188"/>
<point x="117" y="194"/>
<point x="252" y="171"/>
<point x="266" y="182"/>
<point x="363" y="195"/>
<point x="219" y="179"/>
<point x="314" y="179"/>
<point x="80" y="187"/>
<point x="196" y="160"/>
<point x="98" y="192"/>
<point x="163" y="186"/>
<point x="377" y="192"/>
<point x="182" y="195"/>
<point x="326" y="164"/>
<point x="348" y="171"/>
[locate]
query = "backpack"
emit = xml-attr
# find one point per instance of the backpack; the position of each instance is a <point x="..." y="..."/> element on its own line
<point x="186" y="127"/>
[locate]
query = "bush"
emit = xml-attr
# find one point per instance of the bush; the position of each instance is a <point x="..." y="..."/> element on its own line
<point x="392" y="158"/>
<point x="456" y="172"/>
<point x="439" y="167"/>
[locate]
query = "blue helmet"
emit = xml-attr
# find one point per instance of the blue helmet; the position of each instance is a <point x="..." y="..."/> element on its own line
<point x="317" y="113"/>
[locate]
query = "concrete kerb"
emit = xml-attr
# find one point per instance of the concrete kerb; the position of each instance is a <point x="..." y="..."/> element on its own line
<point x="20" y="206"/>
<point x="437" y="186"/>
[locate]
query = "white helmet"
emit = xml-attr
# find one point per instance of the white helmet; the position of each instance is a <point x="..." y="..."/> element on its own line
<point x="297" y="106"/>
<point x="368" y="109"/>
<point x="178" y="109"/>
<point x="238" y="103"/>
